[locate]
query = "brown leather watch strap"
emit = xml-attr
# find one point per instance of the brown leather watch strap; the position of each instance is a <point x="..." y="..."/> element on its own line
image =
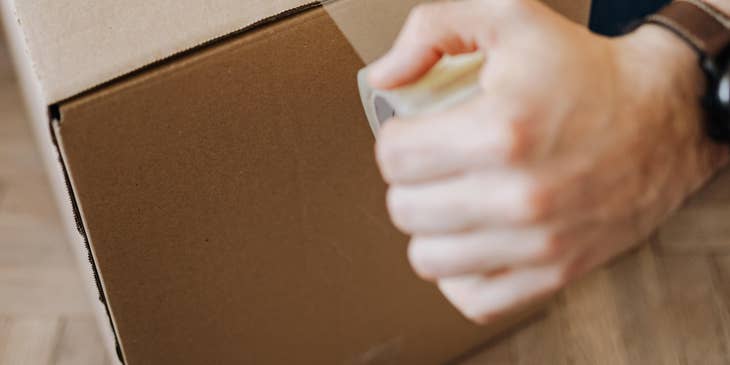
<point x="703" y="26"/>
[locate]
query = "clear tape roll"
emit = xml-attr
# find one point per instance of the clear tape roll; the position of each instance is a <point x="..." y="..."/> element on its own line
<point x="451" y="81"/>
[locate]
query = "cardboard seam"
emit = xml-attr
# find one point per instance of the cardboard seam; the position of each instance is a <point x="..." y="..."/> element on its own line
<point x="189" y="51"/>
<point x="55" y="122"/>
<point x="171" y="66"/>
<point x="54" y="126"/>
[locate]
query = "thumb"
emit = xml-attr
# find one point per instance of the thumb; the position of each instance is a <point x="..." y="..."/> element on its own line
<point x="431" y="31"/>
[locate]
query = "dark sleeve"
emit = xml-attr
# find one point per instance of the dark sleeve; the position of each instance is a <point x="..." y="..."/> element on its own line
<point x="613" y="17"/>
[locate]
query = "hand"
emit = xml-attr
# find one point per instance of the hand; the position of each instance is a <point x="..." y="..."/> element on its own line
<point x="577" y="148"/>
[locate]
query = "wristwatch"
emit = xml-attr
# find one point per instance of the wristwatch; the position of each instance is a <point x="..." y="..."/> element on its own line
<point x="707" y="30"/>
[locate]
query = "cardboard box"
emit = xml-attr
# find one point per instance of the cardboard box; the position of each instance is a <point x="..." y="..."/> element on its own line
<point x="228" y="197"/>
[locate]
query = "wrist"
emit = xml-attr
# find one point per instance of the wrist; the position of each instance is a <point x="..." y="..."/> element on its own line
<point x="663" y="83"/>
<point x="664" y="60"/>
<point x="662" y="76"/>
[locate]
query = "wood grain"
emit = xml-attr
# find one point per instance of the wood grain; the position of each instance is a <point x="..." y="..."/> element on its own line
<point x="701" y="227"/>
<point x="28" y="340"/>
<point x="78" y="343"/>
<point x="45" y="315"/>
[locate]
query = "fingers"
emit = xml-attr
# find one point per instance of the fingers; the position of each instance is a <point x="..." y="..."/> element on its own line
<point x="463" y="203"/>
<point x="449" y="27"/>
<point x="478" y="185"/>
<point x="485" y="131"/>
<point x="434" y="257"/>
<point x="430" y="31"/>
<point x="483" y="299"/>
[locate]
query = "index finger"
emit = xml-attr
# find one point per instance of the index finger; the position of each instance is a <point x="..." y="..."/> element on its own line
<point x="483" y="131"/>
<point x="430" y="31"/>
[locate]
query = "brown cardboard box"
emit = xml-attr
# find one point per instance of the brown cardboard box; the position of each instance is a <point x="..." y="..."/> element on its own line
<point x="235" y="215"/>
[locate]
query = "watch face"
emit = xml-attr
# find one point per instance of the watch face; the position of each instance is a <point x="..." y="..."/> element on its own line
<point x="722" y="102"/>
<point x="723" y="89"/>
<point x="717" y="100"/>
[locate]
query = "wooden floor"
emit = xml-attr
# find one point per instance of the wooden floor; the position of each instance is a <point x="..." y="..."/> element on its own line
<point x="45" y="316"/>
<point x="667" y="303"/>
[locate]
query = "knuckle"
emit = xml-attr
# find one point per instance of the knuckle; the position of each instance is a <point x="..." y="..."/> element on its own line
<point x="471" y="309"/>
<point x="478" y="141"/>
<point x="560" y="279"/>
<point x="522" y="140"/>
<point x="551" y="248"/>
<point x="540" y="201"/>
<point x="486" y="318"/>
<point x="388" y="155"/>
<point x="463" y="205"/>
<point x="479" y="314"/>
<point x="422" y="15"/>
<point x="401" y="209"/>
<point x="385" y="140"/>
<point x="475" y="316"/>
<point x="424" y="264"/>
<point x="556" y="279"/>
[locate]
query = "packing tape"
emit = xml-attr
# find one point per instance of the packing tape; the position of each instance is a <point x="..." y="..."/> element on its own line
<point x="451" y="81"/>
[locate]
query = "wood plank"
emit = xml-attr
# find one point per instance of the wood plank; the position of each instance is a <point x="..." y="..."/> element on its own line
<point x="701" y="226"/>
<point x="39" y="280"/>
<point x="80" y="344"/>
<point x="26" y="241"/>
<point x="3" y="191"/>
<point x="541" y="342"/>
<point x="29" y="197"/>
<point x="6" y="67"/>
<point x="589" y="320"/>
<point x="697" y="231"/>
<point x="18" y="151"/>
<point x="700" y="320"/>
<point x="13" y="113"/>
<point x="37" y="291"/>
<point x="28" y="341"/>
<point x="717" y="190"/>
<point x="644" y="319"/>
<point x="498" y="352"/>
<point x="721" y="284"/>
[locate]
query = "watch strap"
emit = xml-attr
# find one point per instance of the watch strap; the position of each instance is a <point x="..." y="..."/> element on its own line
<point x="702" y="26"/>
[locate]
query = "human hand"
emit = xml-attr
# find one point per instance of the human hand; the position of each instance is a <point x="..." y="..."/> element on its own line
<point x="576" y="149"/>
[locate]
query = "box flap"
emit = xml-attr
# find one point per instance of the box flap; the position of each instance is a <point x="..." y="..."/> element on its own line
<point x="225" y="231"/>
<point x="75" y="45"/>
<point x="78" y="44"/>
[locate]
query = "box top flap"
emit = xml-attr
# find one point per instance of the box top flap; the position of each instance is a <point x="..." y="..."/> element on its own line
<point x="75" y="45"/>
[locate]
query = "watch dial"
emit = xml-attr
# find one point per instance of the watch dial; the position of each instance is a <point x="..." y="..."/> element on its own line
<point x="723" y="90"/>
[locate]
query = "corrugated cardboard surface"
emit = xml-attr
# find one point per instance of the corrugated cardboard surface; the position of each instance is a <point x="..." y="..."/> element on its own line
<point x="237" y="216"/>
<point x="75" y="45"/>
